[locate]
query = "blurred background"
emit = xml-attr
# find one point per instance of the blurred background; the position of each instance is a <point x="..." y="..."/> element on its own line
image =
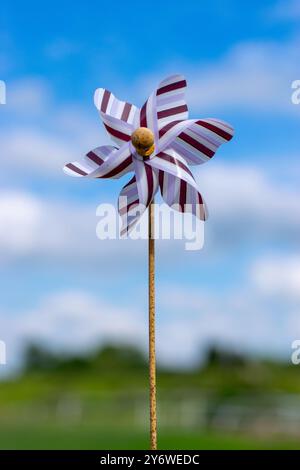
<point x="73" y="309"/>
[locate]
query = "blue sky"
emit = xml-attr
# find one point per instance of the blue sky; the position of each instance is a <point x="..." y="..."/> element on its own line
<point x="243" y="287"/>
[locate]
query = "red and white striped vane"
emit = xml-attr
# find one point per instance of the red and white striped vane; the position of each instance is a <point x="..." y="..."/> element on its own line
<point x="156" y="143"/>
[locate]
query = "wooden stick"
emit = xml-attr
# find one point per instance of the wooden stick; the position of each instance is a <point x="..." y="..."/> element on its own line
<point x="152" y="361"/>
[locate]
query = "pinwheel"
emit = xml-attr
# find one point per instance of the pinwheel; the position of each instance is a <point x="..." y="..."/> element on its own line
<point x="156" y="143"/>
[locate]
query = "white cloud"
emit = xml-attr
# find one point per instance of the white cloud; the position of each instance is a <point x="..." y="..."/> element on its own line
<point x="77" y="319"/>
<point x="38" y="136"/>
<point x="50" y="230"/>
<point x="278" y="276"/>
<point x="73" y="322"/>
<point x="30" y="151"/>
<point x="189" y="320"/>
<point x="244" y="205"/>
<point x="30" y="95"/>
<point x="27" y="149"/>
<point x="248" y="206"/>
<point x="82" y="126"/>
<point x="19" y="216"/>
<point x="243" y="318"/>
<point x="251" y="77"/>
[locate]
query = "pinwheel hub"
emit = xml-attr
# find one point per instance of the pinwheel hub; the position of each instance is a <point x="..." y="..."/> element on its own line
<point x="143" y="141"/>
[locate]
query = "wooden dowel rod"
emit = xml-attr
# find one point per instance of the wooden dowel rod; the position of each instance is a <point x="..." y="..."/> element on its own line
<point x="152" y="359"/>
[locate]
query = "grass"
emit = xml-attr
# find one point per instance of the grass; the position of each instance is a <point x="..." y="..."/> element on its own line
<point x="101" y="403"/>
<point x="82" y="438"/>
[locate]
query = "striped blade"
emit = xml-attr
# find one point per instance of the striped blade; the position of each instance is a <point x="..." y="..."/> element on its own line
<point x="196" y="140"/>
<point x="177" y="184"/>
<point x="120" y="118"/>
<point x="166" y="104"/>
<point x="136" y="195"/>
<point x="103" y="162"/>
<point x="199" y="142"/>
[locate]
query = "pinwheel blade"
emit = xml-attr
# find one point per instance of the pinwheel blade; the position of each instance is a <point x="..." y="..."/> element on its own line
<point x="177" y="184"/>
<point x="136" y="195"/>
<point x="196" y="139"/>
<point x="170" y="100"/>
<point x="119" y="131"/>
<point x="102" y="162"/>
<point x="199" y="142"/>
<point x="166" y="104"/>
<point x="108" y="104"/>
<point x="119" y="117"/>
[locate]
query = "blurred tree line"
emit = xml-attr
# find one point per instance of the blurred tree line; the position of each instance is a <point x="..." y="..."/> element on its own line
<point x="38" y="358"/>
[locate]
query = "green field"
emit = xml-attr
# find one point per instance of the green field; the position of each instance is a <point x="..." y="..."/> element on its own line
<point x="81" y="438"/>
<point x="101" y="402"/>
